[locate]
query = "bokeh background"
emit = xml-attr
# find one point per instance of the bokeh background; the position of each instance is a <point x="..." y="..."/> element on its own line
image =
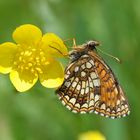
<point x="38" y="114"/>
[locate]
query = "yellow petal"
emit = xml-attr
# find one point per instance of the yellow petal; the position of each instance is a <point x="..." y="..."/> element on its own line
<point x="91" y="135"/>
<point x="23" y="81"/>
<point x="53" y="45"/>
<point x="27" y="34"/>
<point x="7" y="53"/>
<point x="53" y="75"/>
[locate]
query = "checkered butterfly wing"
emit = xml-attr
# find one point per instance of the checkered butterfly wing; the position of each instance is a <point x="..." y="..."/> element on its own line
<point x="90" y="86"/>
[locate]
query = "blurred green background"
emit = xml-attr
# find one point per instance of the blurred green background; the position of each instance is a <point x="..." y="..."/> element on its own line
<point x="38" y="114"/>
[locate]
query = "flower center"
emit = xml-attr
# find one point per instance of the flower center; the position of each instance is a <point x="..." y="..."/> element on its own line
<point x="30" y="60"/>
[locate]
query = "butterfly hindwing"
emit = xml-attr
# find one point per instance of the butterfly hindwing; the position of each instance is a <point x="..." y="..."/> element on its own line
<point x="113" y="103"/>
<point x="80" y="86"/>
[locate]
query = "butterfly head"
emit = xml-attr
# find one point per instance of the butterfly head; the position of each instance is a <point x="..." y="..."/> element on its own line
<point x="92" y="44"/>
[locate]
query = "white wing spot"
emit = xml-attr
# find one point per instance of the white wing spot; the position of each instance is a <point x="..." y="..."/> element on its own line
<point x="96" y="98"/>
<point x="83" y="66"/>
<point x="126" y="106"/>
<point x="128" y="112"/>
<point x="108" y="110"/>
<point x="102" y="114"/>
<point x="76" y="69"/>
<point x="76" y="79"/>
<point x="106" y="116"/>
<point x="77" y="105"/>
<point x="67" y="97"/>
<point x="118" y="110"/>
<point x="83" y="74"/>
<point x="118" y="102"/>
<point x="85" y="105"/>
<point x="74" y="111"/>
<point x="63" y="102"/>
<point x="68" y="72"/>
<point x="103" y="106"/>
<point x="74" y="84"/>
<point x="96" y="112"/>
<point x="91" y="103"/>
<point x="72" y="79"/>
<point x="67" y="84"/>
<point x="122" y="98"/>
<point x="85" y="55"/>
<point x="96" y="82"/>
<point x="59" y="97"/>
<point x="122" y="107"/>
<point x="90" y="111"/>
<point x="87" y="84"/>
<point x="88" y="65"/>
<point x="93" y="75"/>
<point x="113" y="112"/>
<point x="66" y="76"/>
<point x="82" y="91"/>
<point x="83" y="112"/>
<point x="89" y="79"/>
<point x="78" y="87"/>
<point x="91" y="95"/>
<point x="124" y="115"/>
<point x="68" y="107"/>
<point x="83" y="84"/>
<point x="72" y="100"/>
<point x="91" y="84"/>
<point x="87" y="90"/>
<point x="91" y="61"/>
<point x="116" y="91"/>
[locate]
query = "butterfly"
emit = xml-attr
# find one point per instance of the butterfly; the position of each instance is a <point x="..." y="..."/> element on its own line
<point x="91" y="86"/>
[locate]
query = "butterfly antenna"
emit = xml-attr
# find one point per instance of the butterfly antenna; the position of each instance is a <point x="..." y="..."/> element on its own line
<point x="71" y="39"/>
<point x="116" y="58"/>
<point x="65" y="55"/>
<point x="74" y="43"/>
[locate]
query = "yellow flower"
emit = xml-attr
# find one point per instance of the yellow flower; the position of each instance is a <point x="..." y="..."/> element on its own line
<point x="91" y="135"/>
<point x="33" y="57"/>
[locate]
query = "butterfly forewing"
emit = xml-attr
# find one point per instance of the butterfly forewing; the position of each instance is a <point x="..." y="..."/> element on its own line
<point x="91" y="86"/>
